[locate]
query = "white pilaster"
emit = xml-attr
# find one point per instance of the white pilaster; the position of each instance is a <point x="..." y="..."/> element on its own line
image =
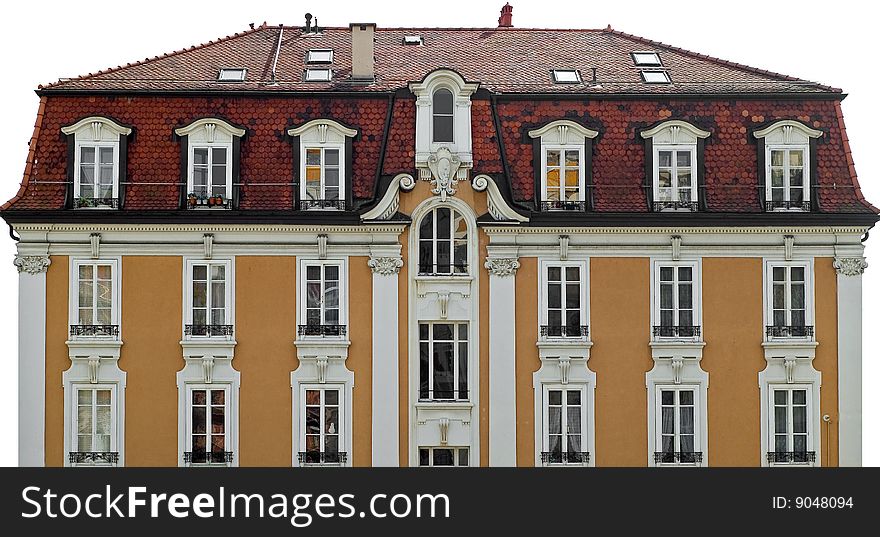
<point x="849" y="358"/>
<point x="385" y="423"/>
<point x="502" y="360"/>
<point x="31" y="358"/>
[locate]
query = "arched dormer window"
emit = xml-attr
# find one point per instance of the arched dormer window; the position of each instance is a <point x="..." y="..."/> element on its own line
<point x="98" y="147"/>
<point x="562" y="157"/>
<point x="787" y="150"/>
<point x="674" y="166"/>
<point x="443" y="116"/>
<point x="443" y="242"/>
<point x="210" y="151"/>
<point x="322" y="150"/>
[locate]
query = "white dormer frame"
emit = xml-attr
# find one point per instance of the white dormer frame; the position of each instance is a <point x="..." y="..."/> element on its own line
<point x="675" y="135"/>
<point x="97" y="132"/>
<point x="562" y="135"/>
<point x="324" y="134"/>
<point x="461" y="146"/>
<point x="210" y="133"/>
<point x="788" y="135"/>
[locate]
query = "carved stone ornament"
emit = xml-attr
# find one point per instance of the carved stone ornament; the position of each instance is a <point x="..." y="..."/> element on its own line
<point x="32" y="264"/>
<point x="502" y="266"/>
<point x="385" y="266"/>
<point x="850" y="266"/>
<point x="444" y="172"/>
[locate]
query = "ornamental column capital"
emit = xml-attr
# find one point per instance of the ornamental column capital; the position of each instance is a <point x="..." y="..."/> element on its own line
<point x="385" y="265"/>
<point x="32" y="264"/>
<point x="850" y="266"/>
<point x="502" y="266"/>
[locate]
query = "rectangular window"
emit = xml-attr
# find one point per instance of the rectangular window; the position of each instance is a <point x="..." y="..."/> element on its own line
<point x="444" y="456"/>
<point x="564" y="302"/>
<point x="231" y="75"/>
<point x="322" y="186"/>
<point x="564" y="415"/>
<point x="788" y="299"/>
<point x="566" y="76"/>
<point x="208" y="426"/>
<point x="209" y="298"/>
<point x="677" y="440"/>
<point x="646" y="58"/>
<point x="97" y="174"/>
<point x="95" y="303"/>
<point x="563" y="178"/>
<point x="656" y="77"/>
<point x="675" y="185"/>
<point x="790" y="426"/>
<point x="322" y="300"/>
<point x="321" y="426"/>
<point x="320" y="56"/>
<point x="443" y="241"/>
<point x="211" y="173"/>
<point x="787" y="187"/>
<point x="317" y="75"/>
<point x="443" y="361"/>
<point x="676" y="301"/>
<point x="94" y="420"/>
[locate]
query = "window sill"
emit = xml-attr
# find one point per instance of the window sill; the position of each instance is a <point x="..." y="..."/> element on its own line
<point x="444" y="403"/>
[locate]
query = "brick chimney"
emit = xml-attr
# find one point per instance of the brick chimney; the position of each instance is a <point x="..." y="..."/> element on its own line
<point x="362" y="68"/>
<point x="506" y="18"/>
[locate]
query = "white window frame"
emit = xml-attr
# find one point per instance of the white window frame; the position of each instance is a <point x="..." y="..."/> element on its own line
<point x="786" y="176"/>
<point x="585" y="411"/>
<point x="343" y="288"/>
<point x="342" y="439"/>
<point x="675" y="135"/>
<point x="696" y="294"/>
<point x="304" y="148"/>
<point x="658" y="421"/>
<point x="227" y="419"/>
<point x="461" y="102"/>
<point x="452" y="91"/>
<point x="73" y="308"/>
<point x="210" y="133"/>
<point x="812" y="418"/>
<point x="809" y="295"/>
<point x="77" y="182"/>
<point x="787" y="134"/>
<point x="456" y="454"/>
<point x="456" y="343"/>
<point x="188" y="297"/>
<point x="97" y="132"/>
<point x="559" y="76"/>
<point x="312" y="56"/>
<point x="435" y="240"/>
<point x="543" y="282"/>
<point x="545" y="148"/>
<point x="75" y="447"/>
<point x="190" y="181"/>
<point x="319" y="134"/>
<point x="676" y="189"/>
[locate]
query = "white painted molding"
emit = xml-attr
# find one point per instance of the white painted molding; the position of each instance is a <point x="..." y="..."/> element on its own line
<point x="673" y="129"/>
<point x="462" y="144"/>
<point x="318" y="124"/>
<point x="32" y="264"/>
<point x="790" y="125"/>
<point x="502" y="266"/>
<point x="850" y="266"/>
<point x="390" y="202"/>
<point x="209" y="125"/>
<point x="97" y="125"/>
<point x="563" y="128"/>
<point x="385" y="266"/>
<point x="32" y="360"/>
<point x="498" y="207"/>
<point x="385" y="370"/>
<point x="849" y="361"/>
<point x="502" y="361"/>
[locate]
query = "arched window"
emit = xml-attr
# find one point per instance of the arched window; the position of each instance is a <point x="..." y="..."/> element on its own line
<point x="443" y="242"/>
<point x="443" y="110"/>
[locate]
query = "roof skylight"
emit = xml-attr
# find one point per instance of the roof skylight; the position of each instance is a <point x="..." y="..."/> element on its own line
<point x="656" y="77"/>
<point x="231" y="75"/>
<point x="566" y="76"/>
<point x="319" y="56"/>
<point x="317" y="75"/>
<point x="648" y="58"/>
<point x="412" y="40"/>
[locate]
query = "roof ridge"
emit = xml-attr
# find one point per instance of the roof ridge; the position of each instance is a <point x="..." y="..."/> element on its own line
<point x="200" y="46"/>
<point x="720" y="61"/>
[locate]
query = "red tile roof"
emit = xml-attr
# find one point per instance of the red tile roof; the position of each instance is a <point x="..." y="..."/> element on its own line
<point x="510" y="60"/>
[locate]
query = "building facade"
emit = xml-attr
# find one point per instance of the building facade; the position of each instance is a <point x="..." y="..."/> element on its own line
<point x="359" y="246"/>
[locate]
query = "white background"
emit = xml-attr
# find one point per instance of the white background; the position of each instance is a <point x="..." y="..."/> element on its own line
<point x="829" y="42"/>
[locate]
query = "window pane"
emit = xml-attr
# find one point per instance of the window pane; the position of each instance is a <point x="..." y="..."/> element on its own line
<point x="554" y="417"/>
<point x="443" y="101"/>
<point x="87" y="155"/>
<point x="667" y="397"/>
<point x="683" y="159"/>
<point x="796" y="158"/>
<point x="553" y="157"/>
<point x="572" y="158"/>
<point x="665" y="159"/>
<point x="687" y="420"/>
<point x="443" y="128"/>
<point x="799" y="419"/>
<point x="331" y="157"/>
<point x="780" y="397"/>
<point x="799" y="397"/>
<point x="781" y="422"/>
<point x="443" y="457"/>
<point x="776" y="158"/>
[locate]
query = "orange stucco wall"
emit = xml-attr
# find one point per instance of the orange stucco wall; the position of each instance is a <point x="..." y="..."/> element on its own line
<point x="360" y="357"/>
<point x="527" y="361"/>
<point x="57" y="360"/>
<point x="826" y="355"/>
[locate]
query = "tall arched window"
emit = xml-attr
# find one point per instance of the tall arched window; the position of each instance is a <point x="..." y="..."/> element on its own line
<point x="443" y="242"/>
<point x="443" y="111"/>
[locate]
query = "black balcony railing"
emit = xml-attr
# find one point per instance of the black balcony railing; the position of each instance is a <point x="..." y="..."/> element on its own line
<point x="336" y="205"/>
<point x="676" y="331"/>
<point x="443" y="395"/>
<point x="322" y="457"/>
<point x="692" y="206"/>
<point x="683" y="457"/>
<point x="787" y="205"/>
<point x="564" y="205"/>
<point x="565" y="457"/>
<point x="209" y="330"/>
<point x="207" y="457"/>
<point x="789" y="331"/>
<point x="322" y="330"/>
<point x="565" y="331"/>
<point x="93" y="457"/>
<point x="195" y="201"/>
<point x="96" y="203"/>
<point x="443" y="269"/>
<point x="104" y="330"/>
<point x="791" y="456"/>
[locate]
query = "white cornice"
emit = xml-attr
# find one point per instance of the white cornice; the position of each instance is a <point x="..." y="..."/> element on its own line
<point x="577" y="128"/>
<point x="200" y="123"/>
<point x="695" y="131"/>
<point x="345" y="131"/>
<point x="812" y="133"/>
<point x="208" y="228"/>
<point x="105" y="123"/>
<point x="765" y="230"/>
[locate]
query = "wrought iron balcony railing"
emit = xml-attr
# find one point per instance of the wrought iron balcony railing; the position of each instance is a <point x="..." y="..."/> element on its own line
<point x="787" y="205"/>
<point x="196" y="201"/>
<point x="565" y="331"/>
<point x="93" y="457"/>
<point x="443" y="269"/>
<point x="564" y="205"/>
<point x="209" y="330"/>
<point x="207" y="457"/>
<point x="565" y="457"/>
<point x="322" y="457"/>
<point x="789" y="331"/>
<point x="323" y="330"/>
<point x="683" y="457"/>
<point x="97" y="330"/>
<point x="660" y="206"/>
<point x="791" y="456"/>
<point x="96" y="203"/>
<point x="676" y="331"/>
<point x="443" y="395"/>
<point x="336" y="205"/>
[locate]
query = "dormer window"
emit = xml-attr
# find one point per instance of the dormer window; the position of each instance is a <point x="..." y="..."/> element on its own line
<point x="322" y="148"/>
<point x="562" y="155"/>
<point x="786" y="148"/>
<point x="674" y="150"/>
<point x="443" y="116"/>
<point x="98" y="145"/>
<point x="212" y="151"/>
